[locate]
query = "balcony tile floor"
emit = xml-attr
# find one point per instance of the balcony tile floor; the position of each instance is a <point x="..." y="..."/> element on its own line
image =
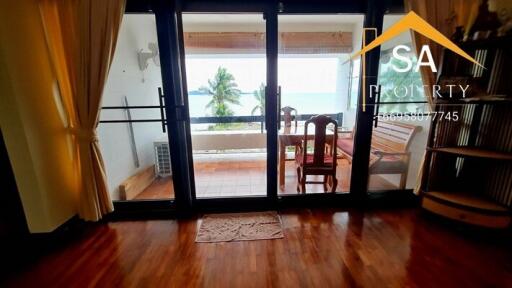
<point x="244" y="174"/>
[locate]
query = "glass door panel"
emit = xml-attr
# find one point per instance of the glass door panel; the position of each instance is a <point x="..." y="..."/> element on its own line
<point x="225" y="61"/>
<point x="402" y="120"/>
<point x="316" y="77"/>
<point x="132" y="133"/>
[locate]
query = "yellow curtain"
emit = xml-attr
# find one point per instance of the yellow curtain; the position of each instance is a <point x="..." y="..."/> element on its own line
<point x="81" y="36"/>
<point x="444" y="15"/>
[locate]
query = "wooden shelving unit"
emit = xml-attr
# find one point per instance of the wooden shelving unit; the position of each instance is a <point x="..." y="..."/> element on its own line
<point x="468" y="208"/>
<point x="468" y="164"/>
<point x="474" y="152"/>
<point x="485" y="99"/>
<point x="468" y="200"/>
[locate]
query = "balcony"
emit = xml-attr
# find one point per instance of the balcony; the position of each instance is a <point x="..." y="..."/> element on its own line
<point x="232" y="163"/>
<point x="229" y="139"/>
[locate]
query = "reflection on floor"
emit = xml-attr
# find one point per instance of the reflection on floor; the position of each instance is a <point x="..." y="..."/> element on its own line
<point x="161" y="188"/>
<point x="244" y="174"/>
<point x="322" y="248"/>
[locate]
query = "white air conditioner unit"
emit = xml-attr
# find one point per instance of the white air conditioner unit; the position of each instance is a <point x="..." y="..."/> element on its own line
<point x="162" y="159"/>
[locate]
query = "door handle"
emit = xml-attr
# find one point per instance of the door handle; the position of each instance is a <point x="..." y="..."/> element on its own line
<point x="377" y="105"/>
<point x="162" y="114"/>
<point x="278" y="107"/>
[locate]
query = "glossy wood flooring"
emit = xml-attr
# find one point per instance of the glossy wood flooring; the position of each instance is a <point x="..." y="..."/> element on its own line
<point x="321" y="248"/>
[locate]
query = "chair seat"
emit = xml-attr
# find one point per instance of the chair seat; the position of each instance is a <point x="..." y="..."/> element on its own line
<point x="389" y="164"/>
<point x="299" y="158"/>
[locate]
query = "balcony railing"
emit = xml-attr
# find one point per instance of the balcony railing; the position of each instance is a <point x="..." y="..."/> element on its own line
<point x="211" y="119"/>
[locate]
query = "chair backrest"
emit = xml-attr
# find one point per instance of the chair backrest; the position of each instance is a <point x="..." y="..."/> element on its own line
<point x="393" y="136"/>
<point x="288" y="117"/>
<point x="320" y="140"/>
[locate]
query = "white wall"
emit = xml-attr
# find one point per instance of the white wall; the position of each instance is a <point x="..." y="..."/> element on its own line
<point x="140" y="87"/>
<point x="225" y="140"/>
<point x="417" y="148"/>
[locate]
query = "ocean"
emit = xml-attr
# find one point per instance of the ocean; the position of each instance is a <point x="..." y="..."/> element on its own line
<point x="305" y="103"/>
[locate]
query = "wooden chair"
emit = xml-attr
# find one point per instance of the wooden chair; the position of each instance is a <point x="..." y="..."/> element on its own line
<point x="288" y="117"/>
<point x="323" y="160"/>
<point x="390" y="149"/>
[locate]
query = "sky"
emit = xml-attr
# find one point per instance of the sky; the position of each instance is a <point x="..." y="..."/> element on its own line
<point x="296" y="75"/>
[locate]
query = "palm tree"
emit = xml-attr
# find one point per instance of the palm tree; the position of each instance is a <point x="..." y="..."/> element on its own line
<point x="260" y="97"/>
<point x="224" y="91"/>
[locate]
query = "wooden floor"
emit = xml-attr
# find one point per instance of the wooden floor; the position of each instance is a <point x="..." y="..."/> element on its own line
<point x="245" y="175"/>
<point x="321" y="248"/>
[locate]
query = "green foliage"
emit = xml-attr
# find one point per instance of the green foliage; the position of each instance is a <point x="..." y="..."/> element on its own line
<point x="234" y="126"/>
<point x="389" y="79"/>
<point x="224" y="91"/>
<point x="260" y="97"/>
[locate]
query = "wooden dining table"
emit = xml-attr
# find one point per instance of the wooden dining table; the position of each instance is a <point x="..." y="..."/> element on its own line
<point x="292" y="136"/>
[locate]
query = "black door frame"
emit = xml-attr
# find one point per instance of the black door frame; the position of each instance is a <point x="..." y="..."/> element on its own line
<point x="170" y="38"/>
<point x="175" y="102"/>
<point x="269" y="13"/>
<point x="365" y="114"/>
<point x="374" y="12"/>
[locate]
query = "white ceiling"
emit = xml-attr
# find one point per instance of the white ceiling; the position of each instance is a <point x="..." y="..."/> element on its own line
<point x="200" y="22"/>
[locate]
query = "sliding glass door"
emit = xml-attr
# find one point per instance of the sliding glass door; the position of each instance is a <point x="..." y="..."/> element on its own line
<point x="246" y="136"/>
<point x="226" y="72"/>
<point x="402" y="119"/>
<point x="212" y="90"/>
<point x="317" y="77"/>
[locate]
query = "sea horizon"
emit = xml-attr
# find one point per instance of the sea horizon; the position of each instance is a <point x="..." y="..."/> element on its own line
<point x="305" y="103"/>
